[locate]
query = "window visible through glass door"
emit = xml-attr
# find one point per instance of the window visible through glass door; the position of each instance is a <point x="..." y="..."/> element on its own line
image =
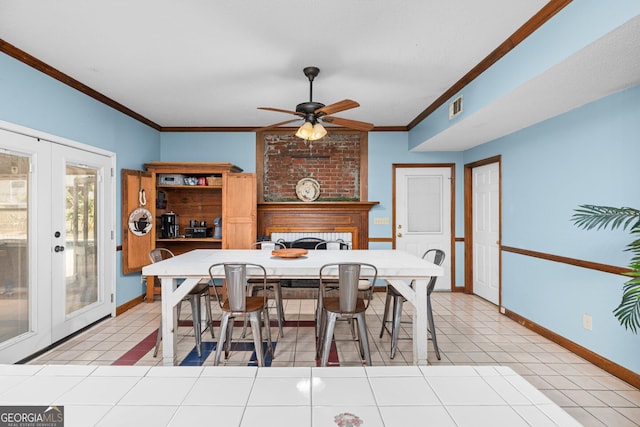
<point x="81" y="273"/>
<point x="14" y="253"/>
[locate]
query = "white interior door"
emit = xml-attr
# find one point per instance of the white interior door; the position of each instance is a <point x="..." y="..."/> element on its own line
<point x="57" y="254"/>
<point x="486" y="232"/>
<point x="423" y="214"/>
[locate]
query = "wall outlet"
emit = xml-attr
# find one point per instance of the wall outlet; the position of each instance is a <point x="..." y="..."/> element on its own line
<point x="587" y="322"/>
<point x="381" y="221"/>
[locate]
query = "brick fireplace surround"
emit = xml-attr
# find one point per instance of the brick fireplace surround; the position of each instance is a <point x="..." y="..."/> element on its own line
<point x="338" y="162"/>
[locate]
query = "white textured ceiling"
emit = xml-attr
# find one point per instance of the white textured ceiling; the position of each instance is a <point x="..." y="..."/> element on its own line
<point x="210" y="63"/>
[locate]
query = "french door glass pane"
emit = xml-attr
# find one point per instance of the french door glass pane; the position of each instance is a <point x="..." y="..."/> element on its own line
<point x="81" y="238"/>
<point x="14" y="241"/>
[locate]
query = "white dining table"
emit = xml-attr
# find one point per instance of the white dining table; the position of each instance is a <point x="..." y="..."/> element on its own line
<point x="397" y="267"/>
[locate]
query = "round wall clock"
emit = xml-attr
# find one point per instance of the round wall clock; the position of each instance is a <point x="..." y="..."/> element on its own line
<point x="308" y="189"/>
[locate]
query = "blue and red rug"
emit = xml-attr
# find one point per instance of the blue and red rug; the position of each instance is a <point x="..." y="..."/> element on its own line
<point x="136" y="353"/>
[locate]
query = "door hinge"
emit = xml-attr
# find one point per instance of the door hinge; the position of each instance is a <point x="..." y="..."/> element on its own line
<point x="112" y="173"/>
<point x="111" y="298"/>
<point x="112" y="234"/>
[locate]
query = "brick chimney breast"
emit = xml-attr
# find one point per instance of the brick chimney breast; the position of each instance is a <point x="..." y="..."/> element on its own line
<point x="333" y="161"/>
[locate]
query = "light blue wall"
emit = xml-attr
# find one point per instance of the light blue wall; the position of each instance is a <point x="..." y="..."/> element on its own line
<point x="32" y="99"/>
<point x="574" y="27"/>
<point x="586" y="156"/>
<point x="387" y="148"/>
<point x="238" y="148"/>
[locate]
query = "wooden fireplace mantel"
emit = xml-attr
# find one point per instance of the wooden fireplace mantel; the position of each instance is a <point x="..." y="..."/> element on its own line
<point x="293" y="217"/>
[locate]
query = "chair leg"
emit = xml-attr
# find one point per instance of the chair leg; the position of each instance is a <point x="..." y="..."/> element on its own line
<point x="353" y="329"/>
<point x="278" y="297"/>
<point x="432" y="327"/>
<point x="363" y="337"/>
<point x="197" y="325"/>
<point x="267" y="325"/>
<point x="327" y="336"/>
<point x="357" y="337"/>
<point x="386" y="313"/>
<point x="395" y="324"/>
<point x="251" y="292"/>
<point x="318" y="315"/>
<point x="208" y="312"/>
<point x="227" y="343"/>
<point x="223" y="334"/>
<point x="322" y="320"/>
<point x="256" y="330"/>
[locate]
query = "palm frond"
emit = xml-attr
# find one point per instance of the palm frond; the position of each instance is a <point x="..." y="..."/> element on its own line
<point x="592" y="216"/>
<point x="634" y="247"/>
<point x="628" y="312"/>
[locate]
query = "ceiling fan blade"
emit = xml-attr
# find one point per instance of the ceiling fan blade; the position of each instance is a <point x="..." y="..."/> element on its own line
<point x="279" y="110"/>
<point x="275" y="125"/>
<point x="345" y="104"/>
<point x="347" y="123"/>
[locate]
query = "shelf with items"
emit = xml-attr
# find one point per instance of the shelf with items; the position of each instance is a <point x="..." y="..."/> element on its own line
<point x="200" y="198"/>
<point x="191" y="207"/>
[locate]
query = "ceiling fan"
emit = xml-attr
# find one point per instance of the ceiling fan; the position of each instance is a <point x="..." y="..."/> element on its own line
<point x="315" y="112"/>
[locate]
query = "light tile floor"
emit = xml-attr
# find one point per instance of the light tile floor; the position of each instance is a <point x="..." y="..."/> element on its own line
<point x="110" y="396"/>
<point x="471" y="332"/>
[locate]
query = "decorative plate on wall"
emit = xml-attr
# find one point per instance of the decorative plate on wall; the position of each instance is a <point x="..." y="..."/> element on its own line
<point x="140" y="221"/>
<point x="308" y="189"/>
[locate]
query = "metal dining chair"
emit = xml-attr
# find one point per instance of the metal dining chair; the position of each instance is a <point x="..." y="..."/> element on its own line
<point x="336" y="245"/>
<point x="239" y="303"/>
<point x="333" y="245"/>
<point x="349" y="304"/>
<point x="398" y="300"/>
<point x="194" y="297"/>
<point x="255" y="285"/>
<point x="306" y="242"/>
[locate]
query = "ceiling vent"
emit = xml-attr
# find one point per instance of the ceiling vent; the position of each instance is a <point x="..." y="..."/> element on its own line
<point x="455" y="107"/>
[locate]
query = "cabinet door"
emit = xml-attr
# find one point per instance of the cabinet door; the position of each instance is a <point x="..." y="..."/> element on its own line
<point x="137" y="243"/>
<point x="239" y="210"/>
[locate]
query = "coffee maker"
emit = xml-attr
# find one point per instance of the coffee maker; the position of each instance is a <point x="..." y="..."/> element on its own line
<point x="169" y="226"/>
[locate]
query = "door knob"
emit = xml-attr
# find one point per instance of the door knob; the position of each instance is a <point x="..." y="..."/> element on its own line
<point x="399" y="234"/>
<point x="59" y="248"/>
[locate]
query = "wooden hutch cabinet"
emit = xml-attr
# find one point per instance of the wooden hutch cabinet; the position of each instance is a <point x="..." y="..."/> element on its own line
<point x="211" y="191"/>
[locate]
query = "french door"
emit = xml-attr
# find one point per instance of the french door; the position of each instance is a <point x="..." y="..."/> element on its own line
<point x="56" y="247"/>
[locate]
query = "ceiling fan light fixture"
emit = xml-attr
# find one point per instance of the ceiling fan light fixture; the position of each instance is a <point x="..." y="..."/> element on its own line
<point x="311" y="132"/>
<point x="318" y="132"/>
<point x="305" y="131"/>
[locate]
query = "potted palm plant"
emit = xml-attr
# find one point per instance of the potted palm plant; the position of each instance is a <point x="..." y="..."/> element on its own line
<point x="602" y="217"/>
